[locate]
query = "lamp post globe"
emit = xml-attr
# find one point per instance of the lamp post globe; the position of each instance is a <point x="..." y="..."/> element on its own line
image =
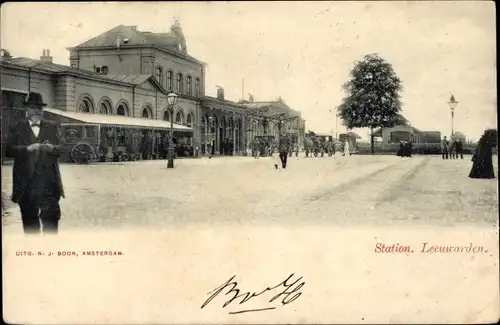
<point x="453" y="104"/>
<point x="172" y="100"/>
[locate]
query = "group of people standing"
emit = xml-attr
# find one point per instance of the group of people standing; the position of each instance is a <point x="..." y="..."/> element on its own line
<point x="405" y="149"/>
<point x="452" y="149"/>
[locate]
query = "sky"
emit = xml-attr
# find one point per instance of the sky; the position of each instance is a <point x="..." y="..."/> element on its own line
<point x="302" y="51"/>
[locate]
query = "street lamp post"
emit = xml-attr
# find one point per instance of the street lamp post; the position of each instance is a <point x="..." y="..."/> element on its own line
<point x="172" y="100"/>
<point x="208" y="137"/>
<point x="453" y="104"/>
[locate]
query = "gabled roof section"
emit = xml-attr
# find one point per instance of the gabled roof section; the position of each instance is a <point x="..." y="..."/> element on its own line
<point x="166" y="41"/>
<point x="137" y="80"/>
<point x="109" y="37"/>
<point x="378" y="132"/>
<point x="55" y="69"/>
<point x="161" y="39"/>
<point x="221" y="101"/>
<point x="33" y="63"/>
<point x="271" y="108"/>
<point x="50" y="68"/>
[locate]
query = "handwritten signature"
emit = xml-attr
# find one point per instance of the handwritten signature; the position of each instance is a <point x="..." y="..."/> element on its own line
<point x="288" y="293"/>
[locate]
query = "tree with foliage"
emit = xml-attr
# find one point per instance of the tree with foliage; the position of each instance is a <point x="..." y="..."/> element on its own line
<point x="373" y="98"/>
<point x="459" y="136"/>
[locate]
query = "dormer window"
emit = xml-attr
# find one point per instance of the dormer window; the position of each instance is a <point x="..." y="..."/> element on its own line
<point x="179" y="47"/>
<point x="125" y="41"/>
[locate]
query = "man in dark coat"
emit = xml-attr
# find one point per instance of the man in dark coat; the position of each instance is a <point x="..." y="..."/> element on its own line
<point x="400" y="150"/>
<point x="284" y="147"/>
<point x="482" y="166"/>
<point x="444" y="148"/>
<point x="409" y="149"/>
<point x="459" y="148"/>
<point x="35" y="144"/>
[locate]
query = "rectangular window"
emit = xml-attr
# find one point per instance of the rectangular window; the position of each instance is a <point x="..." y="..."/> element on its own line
<point x="189" y="86"/>
<point x="179" y="87"/>
<point x="159" y="75"/>
<point x="197" y="87"/>
<point x="169" y="80"/>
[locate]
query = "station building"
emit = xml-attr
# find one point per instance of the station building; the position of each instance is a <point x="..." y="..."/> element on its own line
<point x="123" y="77"/>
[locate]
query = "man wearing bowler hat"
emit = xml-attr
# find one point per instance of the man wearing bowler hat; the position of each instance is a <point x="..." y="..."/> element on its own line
<point x="284" y="148"/>
<point x="35" y="144"/>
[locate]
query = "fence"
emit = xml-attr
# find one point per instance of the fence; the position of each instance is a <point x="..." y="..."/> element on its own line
<point x="418" y="148"/>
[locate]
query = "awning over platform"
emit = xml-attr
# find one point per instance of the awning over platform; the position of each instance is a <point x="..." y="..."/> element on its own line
<point x="118" y="120"/>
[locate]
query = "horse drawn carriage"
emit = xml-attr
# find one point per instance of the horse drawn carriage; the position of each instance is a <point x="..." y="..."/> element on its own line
<point x="82" y="142"/>
<point x="86" y="143"/>
<point x="318" y="145"/>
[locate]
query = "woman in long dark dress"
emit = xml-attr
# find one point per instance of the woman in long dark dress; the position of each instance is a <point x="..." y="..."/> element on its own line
<point x="482" y="166"/>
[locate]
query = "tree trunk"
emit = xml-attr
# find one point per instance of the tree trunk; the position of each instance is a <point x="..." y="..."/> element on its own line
<point x="372" y="144"/>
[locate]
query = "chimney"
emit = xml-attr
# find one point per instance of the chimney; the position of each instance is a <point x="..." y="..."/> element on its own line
<point x="220" y="93"/>
<point x="46" y="56"/>
<point x="5" y="54"/>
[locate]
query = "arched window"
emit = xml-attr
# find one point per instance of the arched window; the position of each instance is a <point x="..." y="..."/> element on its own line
<point x="166" y="116"/>
<point x="105" y="106"/>
<point x="179" y="118"/>
<point x="190" y="86"/>
<point x="213" y="127"/>
<point x="86" y="105"/>
<point x="159" y="75"/>
<point x="169" y="80"/>
<point x="122" y="109"/>
<point x="189" y="121"/>
<point x="147" y="112"/>
<point x="179" y="87"/>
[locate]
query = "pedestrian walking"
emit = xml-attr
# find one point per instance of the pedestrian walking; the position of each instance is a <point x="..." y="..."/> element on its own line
<point x="36" y="144"/>
<point x="451" y="149"/>
<point x="400" y="152"/>
<point x="459" y="148"/>
<point x="284" y="147"/>
<point x="346" y="149"/>
<point x="409" y="148"/>
<point x="444" y="148"/>
<point x="482" y="166"/>
<point x="209" y="149"/>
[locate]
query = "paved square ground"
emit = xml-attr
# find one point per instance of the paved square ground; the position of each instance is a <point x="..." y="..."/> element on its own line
<point x="355" y="190"/>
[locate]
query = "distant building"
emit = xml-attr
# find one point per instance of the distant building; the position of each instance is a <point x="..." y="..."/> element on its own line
<point x="266" y="119"/>
<point x="400" y="133"/>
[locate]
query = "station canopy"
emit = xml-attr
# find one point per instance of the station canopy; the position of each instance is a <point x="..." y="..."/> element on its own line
<point x="118" y="120"/>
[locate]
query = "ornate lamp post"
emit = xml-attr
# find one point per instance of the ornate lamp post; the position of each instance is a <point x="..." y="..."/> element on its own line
<point x="172" y="100"/>
<point x="453" y="104"/>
